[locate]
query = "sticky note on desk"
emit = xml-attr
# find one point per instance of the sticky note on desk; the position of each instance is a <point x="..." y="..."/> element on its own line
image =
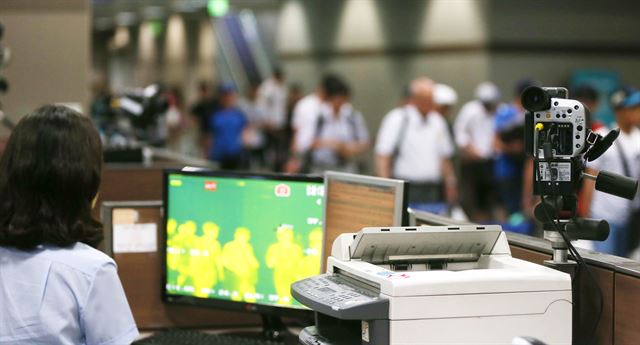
<point x="135" y="238"/>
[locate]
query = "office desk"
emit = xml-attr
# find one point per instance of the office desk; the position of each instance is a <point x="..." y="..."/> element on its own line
<point x="618" y="279"/>
<point x="251" y="332"/>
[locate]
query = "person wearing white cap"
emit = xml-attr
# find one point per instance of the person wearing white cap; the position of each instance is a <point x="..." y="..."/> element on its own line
<point x="444" y="97"/>
<point x="474" y="134"/>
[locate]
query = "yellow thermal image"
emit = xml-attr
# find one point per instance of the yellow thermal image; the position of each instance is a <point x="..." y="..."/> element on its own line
<point x="239" y="259"/>
<point x="311" y="262"/>
<point x="283" y="258"/>
<point x="173" y="249"/>
<point x="206" y="261"/>
<point x="185" y="238"/>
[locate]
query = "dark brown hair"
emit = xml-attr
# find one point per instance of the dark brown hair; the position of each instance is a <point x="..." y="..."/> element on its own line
<point x="49" y="175"/>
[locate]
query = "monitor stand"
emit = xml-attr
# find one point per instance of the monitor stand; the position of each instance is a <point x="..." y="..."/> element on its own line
<point x="273" y="329"/>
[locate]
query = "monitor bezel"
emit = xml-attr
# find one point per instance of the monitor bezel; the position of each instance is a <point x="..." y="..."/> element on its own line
<point x="299" y="313"/>
<point x="401" y="202"/>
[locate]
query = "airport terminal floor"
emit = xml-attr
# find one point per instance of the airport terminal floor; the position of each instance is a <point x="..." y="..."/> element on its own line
<point x="336" y="172"/>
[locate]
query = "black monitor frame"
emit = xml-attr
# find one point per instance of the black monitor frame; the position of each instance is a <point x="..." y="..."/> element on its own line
<point x="265" y="310"/>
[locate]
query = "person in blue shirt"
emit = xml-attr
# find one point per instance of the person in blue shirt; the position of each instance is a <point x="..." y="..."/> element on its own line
<point x="227" y="128"/>
<point x="510" y="160"/>
<point x="55" y="288"/>
<point x="509" y="122"/>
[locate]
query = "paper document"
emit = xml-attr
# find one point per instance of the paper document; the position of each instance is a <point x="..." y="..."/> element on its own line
<point x="135" y="238"/>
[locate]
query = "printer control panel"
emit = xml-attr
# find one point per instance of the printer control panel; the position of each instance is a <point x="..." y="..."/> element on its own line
<point x="330" y="292"/>
<point x="333" y="291"/>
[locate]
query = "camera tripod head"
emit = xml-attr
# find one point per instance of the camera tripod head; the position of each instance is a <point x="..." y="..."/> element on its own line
<point x="558" y="139"/>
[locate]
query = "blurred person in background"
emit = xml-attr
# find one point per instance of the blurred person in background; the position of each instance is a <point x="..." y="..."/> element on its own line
<point x="272" y="101"/>
<point x="102" y="112"/>
<point x="405" y="95"/>
<point x="337" y="137"/>
<point x="588" y="96"/>
<point x="308" y="107"/>
<point x="254" y="137"/>
<point x="414" y="144"/>
<point x="227" y="128"/>
<point x="205" y="105"/>
<point x="174" y="118"/>
<point x="444" y="98"/>
<point x="509" y="164"/>
<point x="305" y="113"/>
<point x="295" y="95"/>
<point x="623" y="158"/>
<point x="474" y="131"/>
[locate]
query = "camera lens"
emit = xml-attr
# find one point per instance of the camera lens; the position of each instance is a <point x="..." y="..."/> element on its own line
<point x="535" y="99"/>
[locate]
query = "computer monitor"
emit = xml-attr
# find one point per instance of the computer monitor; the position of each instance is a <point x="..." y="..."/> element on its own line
<point x="238" y="240"/>
<point x="357" y="201"/>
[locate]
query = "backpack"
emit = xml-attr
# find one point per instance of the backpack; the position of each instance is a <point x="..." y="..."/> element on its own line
<point x="318" y="127"/>
<point x="400" y="139"/>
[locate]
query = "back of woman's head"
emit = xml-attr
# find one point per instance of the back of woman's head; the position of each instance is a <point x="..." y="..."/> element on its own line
<point x="49" y="176"/>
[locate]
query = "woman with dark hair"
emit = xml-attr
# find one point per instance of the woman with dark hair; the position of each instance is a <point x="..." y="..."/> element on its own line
<point x="55" y="288"/>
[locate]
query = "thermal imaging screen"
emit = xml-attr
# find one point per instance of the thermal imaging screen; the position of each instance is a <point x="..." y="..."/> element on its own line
<point x="242" y="239"/>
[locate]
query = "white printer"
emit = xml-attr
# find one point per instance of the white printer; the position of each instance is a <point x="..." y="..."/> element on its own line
<point x="433" y="285"/>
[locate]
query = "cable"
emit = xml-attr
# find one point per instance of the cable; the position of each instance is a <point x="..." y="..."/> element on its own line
<point x="580" y="261"/>
<point x="558" y="228"/>
<point x="555" y="221"/>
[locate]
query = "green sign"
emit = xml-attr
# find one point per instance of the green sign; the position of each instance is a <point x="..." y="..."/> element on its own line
<point x="218" y="8"/>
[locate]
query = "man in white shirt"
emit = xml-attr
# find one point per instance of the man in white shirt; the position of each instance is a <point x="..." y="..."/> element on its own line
<point x="337" y="136"/>
<point x="272" y="99"/>
<point x="307" y="108"/>
<point x="623" y="158"/>
<point x="474" y="132"/>
<point x="254" y="138"/>
<point x="305" y="114"/>
<point x="414" y="144"/>
<point x="272" y="102"/>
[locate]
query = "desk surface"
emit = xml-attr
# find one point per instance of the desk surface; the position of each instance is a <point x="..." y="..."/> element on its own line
<point x="295" y="331"/>
<point x="611" y="262"/>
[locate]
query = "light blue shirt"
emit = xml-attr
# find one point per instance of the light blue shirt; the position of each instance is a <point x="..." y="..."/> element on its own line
<point x="54" y="295"/>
